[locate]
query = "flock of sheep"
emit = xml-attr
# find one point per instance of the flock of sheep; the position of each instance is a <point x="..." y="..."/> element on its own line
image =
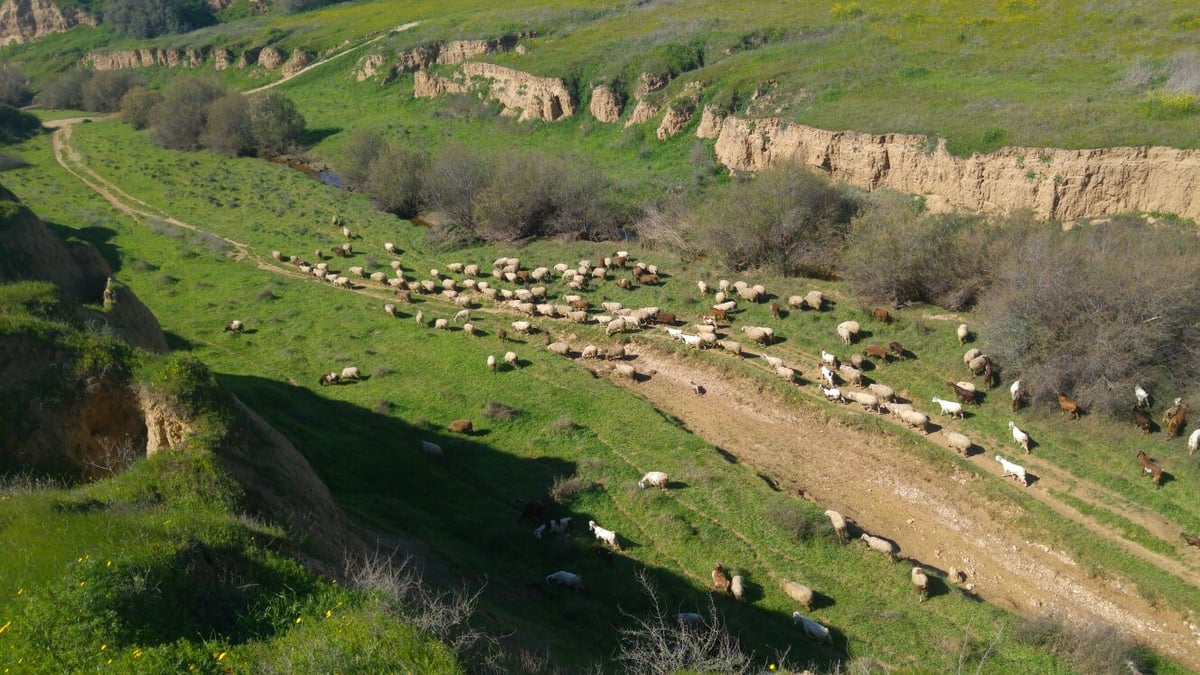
<point x="527" y="292"/>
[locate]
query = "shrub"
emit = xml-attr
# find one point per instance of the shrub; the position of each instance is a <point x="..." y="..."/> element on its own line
<point x="495" y="410"/>
<point x="566" y="488"/>
<point x="394" y="179"/>
<point x="65" y="91"/>
<point x="181" y="117"/>
<point x="1094" y="310"/>
<point x="1089" y="647"/>
<point x="16" y="125"/>
<point x="227" y="129"/>
<point x="142" y="19"/>
<point x="1169" y="105"/>
<point x="787" y="219"/>
<point x="362" y="147"/>
<point x="454" y="179"/>
<point x="103" y="90"/>
<point x="14" y="87"/>
<point x="796" y="521"/>
<point x="669" y="226"/>
<point x="276" y="125"/>
<point x="897" y="254"/>
<point x="138" y="104"/>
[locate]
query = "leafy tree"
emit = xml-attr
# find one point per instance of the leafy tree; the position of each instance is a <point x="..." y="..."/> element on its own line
<point x="14" y="87"/>
<point x="276" y="125"/>
<point x="143" y="19"/>
<point x="228" y="128"/>
<point x="362" y="147"/>
<point x="138" y="104"/>
<point x="103" y="90"/>
<point x="183" y="114"/>
<point x="16" y="125"/>
<point x="456" y="176"/>
<point x="65" y="91"/>
<point x="394" y="179"/>
<point x="517" y="202"/>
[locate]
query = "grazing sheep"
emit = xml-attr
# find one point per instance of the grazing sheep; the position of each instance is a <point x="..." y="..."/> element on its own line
<point x="951" y="408"/>
<point x="491" y="362"/>
<point x="1193" y="442"/>
<point x="814" y="300"/>
<point x="607" y="536"/>
<point x="963" y="333"/>
<point x="897" y="409"/>
<point x="566" y="580"/>
<point x="798" y="592"/>
<point x="959" y="442"/>
<point x="850" y="374"/>
<point x="627" y="371"/>
<point x="978" y="364"/>
<point x="720" y="580"/>
<point x="462" y="315"/>
<point x="812" y="629"/>
<point x="914" y="419"/>
<point x="838" y="521"/>
<point x="737" y="586"/>
<point x="522" y="327"/>
<point x="329" y="378"/>
<point x="773" y="361"/>
<point x="883" y="391"/>
<point x="379" y="278"/>
<point x="731" y="346"/>
<point x="501" y="334"/>
<point x="390" y="310"/>
<point x="1068" y="406"/>
<point x="441" y="324"/>
<point x="1149" y="466"/>
<point x="510" y="358"/>
<point x="795" y="301"/>
<point x="277" y="255"/>
<point x="774" y="309"/>
<point x="617" y="353"/>
<point x="560" y="348"/>
<point x="785" y="373"/>
<point x="1143" y="396"/>
<point x="469" y="328"/>
<point x="657" y="479"/>
<point x="848" y="331"/>
<point x="351" y="373"/>
<point x="617" y="325"/>
<point x="1012" y="469"/>
<point x="357" y="271"/>
<point x="419" y="317"/>
<point x="970" y="355"/>
<point x="431" y="450"/>
<point x="1019" y="436"/>
<point x="461" y="427"/>
<point x="867" y="401"/>
<point x="881" y="315"/>
<point x="590" y="352"/>
<point x="881" y="545"/>
<point x="920" y="581"/>
<point x="877" y="352"/>
<point x="235" y="326"/>
<point x="763" y="335"/>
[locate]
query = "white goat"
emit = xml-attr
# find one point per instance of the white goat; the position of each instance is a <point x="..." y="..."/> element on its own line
<point x="832" y="393"/>
<point x="951" y="408"/>
<point x="1194" y="442"/>
<point x="607" y="536"/>
<point x="1019" y="436"/>
<point x="657" y="479"/>
<point x="1143" y="396"/>
<point x="1012" y="469"/>
<point x="811" y="628"/>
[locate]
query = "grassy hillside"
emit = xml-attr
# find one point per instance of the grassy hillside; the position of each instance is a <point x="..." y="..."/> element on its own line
<point x="1015" y="72"/>
<point x="162" y="568"/>
<point x="363" y="439"/>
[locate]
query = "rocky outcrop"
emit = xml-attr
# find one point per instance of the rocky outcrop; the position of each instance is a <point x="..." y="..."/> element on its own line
<point x="270" y="58"/>
<point x="422" y="57"/>
<point x="222" y="58"/>
<point x="25" y="20"/>
<point x="679" y="112"/>
<point x="604" y="105"/>
<point x="144" y="58"/>
<point x="528" y="97"/>
<point x="643" y="112"/>
<point x="296" y="62"/>
<point x="1052" y="183"/>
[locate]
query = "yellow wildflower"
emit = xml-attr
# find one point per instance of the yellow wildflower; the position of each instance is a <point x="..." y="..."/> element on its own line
<point x="5" y="627"/>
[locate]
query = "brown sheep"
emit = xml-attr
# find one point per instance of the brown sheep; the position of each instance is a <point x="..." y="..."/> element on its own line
<point x="461" y="427"/>
<point x="881" y="315"/>
<point x="878" y="352"/>
<point x="501" y="334"/>
<point x="775" y="309"/>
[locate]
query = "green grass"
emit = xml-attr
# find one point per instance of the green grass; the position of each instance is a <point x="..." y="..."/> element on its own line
<point x="465" y="508"/>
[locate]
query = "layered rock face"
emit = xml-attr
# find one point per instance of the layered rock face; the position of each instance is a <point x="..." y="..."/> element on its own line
<point x="1052" y="183"/>
<point x="528" y="97"/>
<point x="423" y="56"/>
<point x="25" y="20"/>
<point x="143" y="58"/>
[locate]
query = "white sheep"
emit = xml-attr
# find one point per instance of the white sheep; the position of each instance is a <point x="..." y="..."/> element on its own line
<point x="915" y="419"/>
<point x="431" y="450"/>
<point x="560" y="348"/>
<point x="971" y="355"/>
<point x="883" y="391"/>
<point x="469" y="328"/>
<point x="850" y="374"/>
<point x="560" y="525"/>
<point x="702" y="286"/>
<point x="963" y="333"/>
<point x="798" y="592"/>
<point x="419" y="317"/>
<point x="389" y="247"/>
<point x="795" y="301"/>
<point x="521" y="326"/>
<point x="441" y="324"/>
<point x="491" y="362"/>
<point x="607" y="536"/>
<point x="351" y="373"/>
<point x="357" y="271"/>
<point x="785" y="373"/>
<point x="627" y="371"/>
<point x="848" y="331"/>
<point x="814" y="300"/>
<point x="235" y="326"/>
<point x="511" y="359"/>
<point x="673" y="332"/>
<point x="1012" y="469"/>
<point x="951" y="408"/>
<point x="390" y="310"/>
<point x="881" y="545"/>
<point x="657" y="479"/>
<point x="731" y="346"/>
<point x="812" y="629"/>
<point x="690" y="340"/>
<point x="763" y="335"/>
<point x="615" y="326"/>
<point x="590" y="352"/>
<point x="773" y="361"/>
<point x="920" y="581"/>
<point x="737" y="586"/>
<point x="867" y="401"/>
<point x="958" y="442"/>
<point x="1194" y="442"/>
<point x="566" y="580"/>
<point x="838" y="521"/>
<point x="897" y="409"/>
<point x="1019" y="436"/>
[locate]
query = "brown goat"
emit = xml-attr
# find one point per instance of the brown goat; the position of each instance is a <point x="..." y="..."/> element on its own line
<point x="965" y="395"/>
<point x="718" y="314"/>
<point x="1176" y="422"/>
<point x="720" y="579"/>
<point x="881" y="315"/>
<point x="581" y="304"/>
<point x="775" y="309"/>
<point x="897" y="349"/>
<point x="1150" y="467"/>
<point x="1141" y="420"/>
<point x="1190" y="540"/>
<point x="1068" y="406"/>
<point x="625" y="283"/>
<point x="501" y="334"/>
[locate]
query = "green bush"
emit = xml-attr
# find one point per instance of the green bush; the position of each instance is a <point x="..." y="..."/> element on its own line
<point x="16" y="126"/>
<point x="1169" y="105"/>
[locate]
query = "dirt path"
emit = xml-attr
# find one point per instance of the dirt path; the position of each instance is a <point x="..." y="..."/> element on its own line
<point x="933" y="513"/>
<point x="338" y="55"/>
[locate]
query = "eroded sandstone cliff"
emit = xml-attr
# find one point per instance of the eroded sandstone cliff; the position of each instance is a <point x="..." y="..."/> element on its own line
<point x="25" y="20"/>
<point x="528" y="97"/>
